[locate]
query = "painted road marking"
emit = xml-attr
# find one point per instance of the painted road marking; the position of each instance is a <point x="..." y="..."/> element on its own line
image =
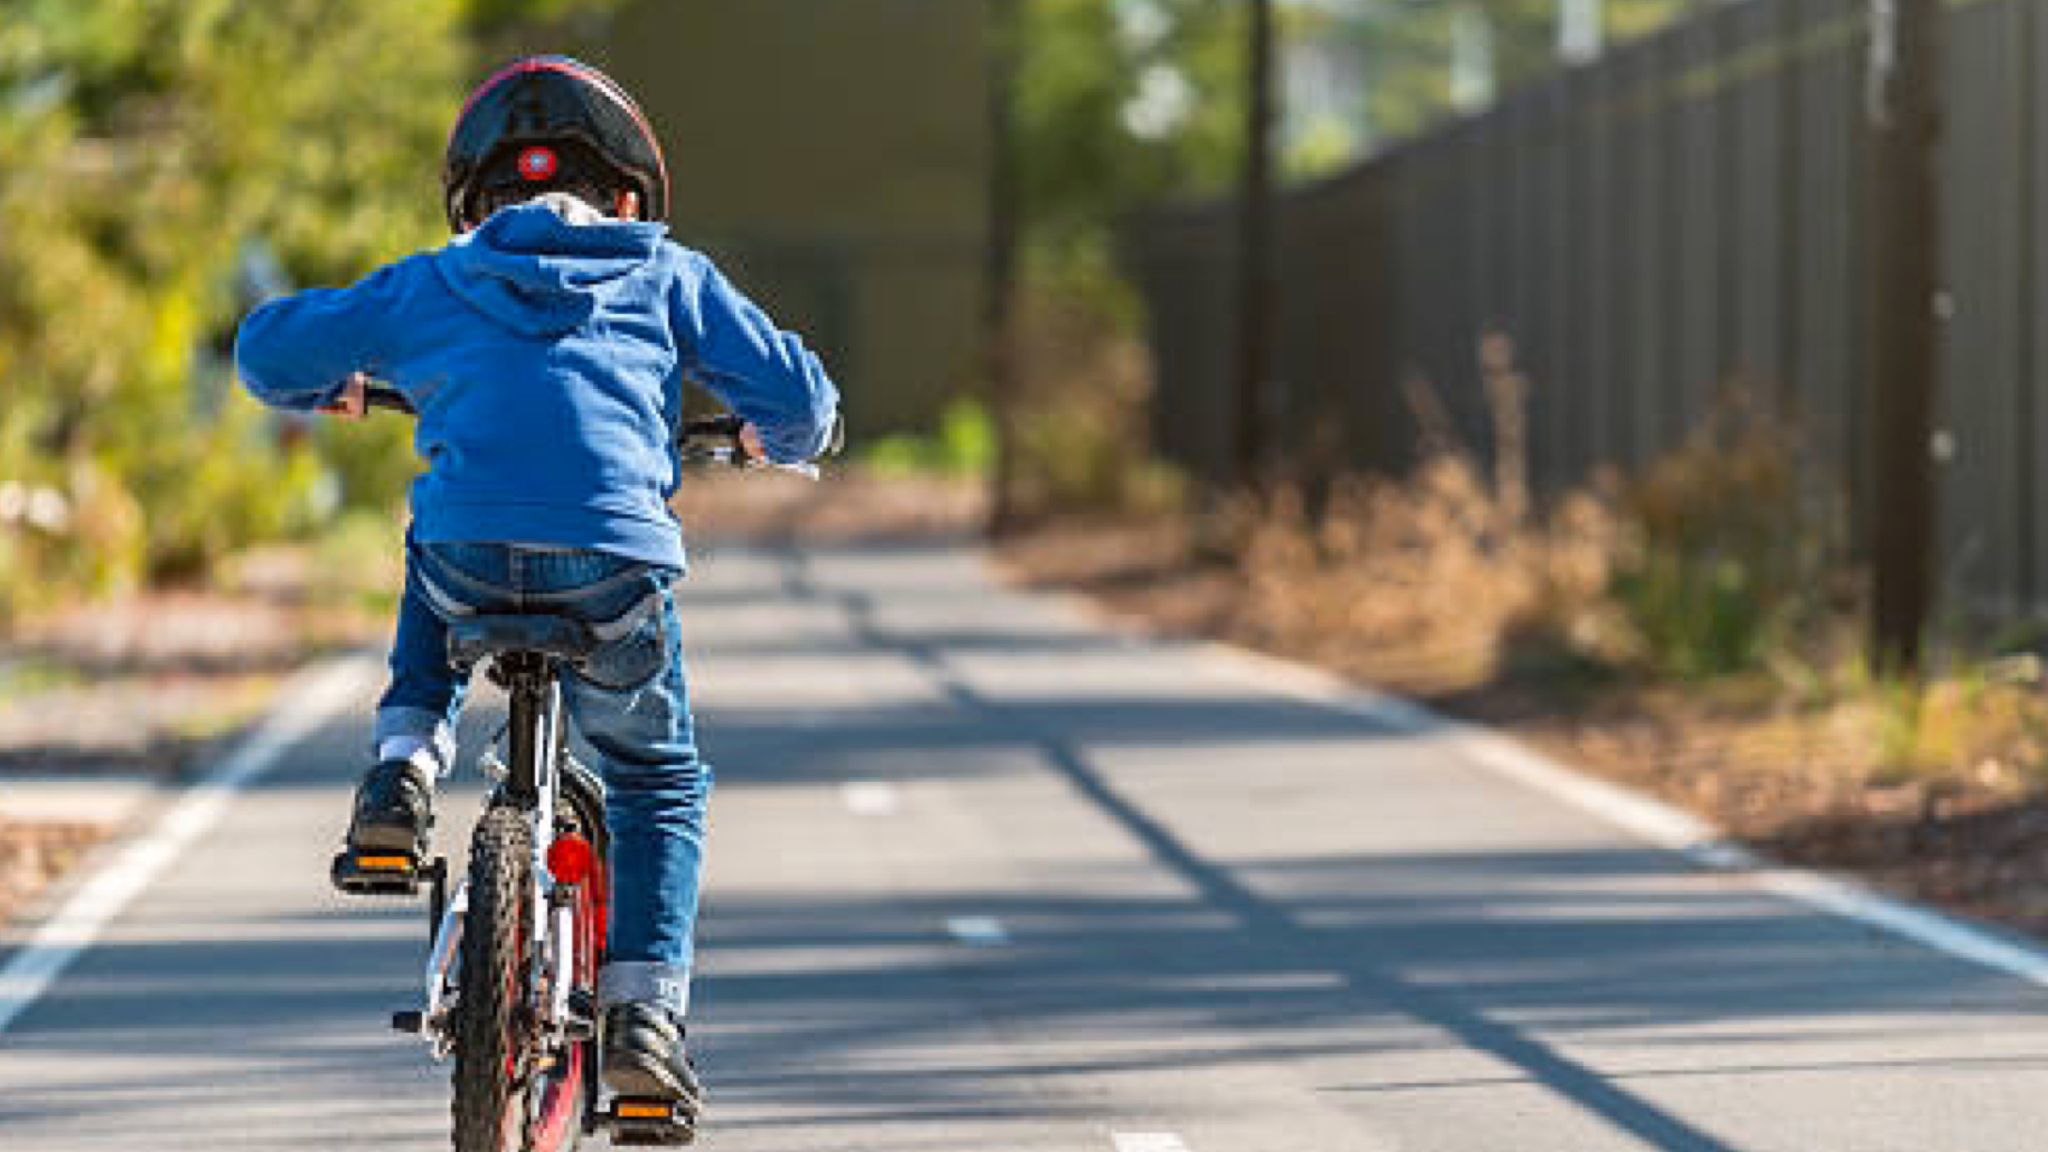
<point x="978" y="931"/>
<point x="1147" y="1142"/>
<point x="869" y="797"/>
<point x="1648" y="819"/>
<point x="306" y="703"/>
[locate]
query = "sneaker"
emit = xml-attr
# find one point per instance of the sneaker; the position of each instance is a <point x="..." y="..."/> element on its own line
<point x="394" y="810"/>
<point x="644" y="1057"/>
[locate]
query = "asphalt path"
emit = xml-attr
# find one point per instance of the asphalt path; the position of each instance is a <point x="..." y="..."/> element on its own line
<point x="988" y="876"/>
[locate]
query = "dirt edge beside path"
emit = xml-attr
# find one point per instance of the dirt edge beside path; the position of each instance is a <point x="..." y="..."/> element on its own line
<point x="1790" y="779"/>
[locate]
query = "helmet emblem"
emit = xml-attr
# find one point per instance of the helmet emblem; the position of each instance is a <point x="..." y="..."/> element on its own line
<point x="538" y="164"/>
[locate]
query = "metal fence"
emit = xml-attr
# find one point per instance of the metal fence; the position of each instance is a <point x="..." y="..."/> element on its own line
<point x="1684" y="215"/>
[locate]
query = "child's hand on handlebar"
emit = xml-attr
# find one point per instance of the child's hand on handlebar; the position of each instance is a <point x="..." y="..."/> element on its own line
<point x="353" y="403"/>
<point x="750" y="442"/>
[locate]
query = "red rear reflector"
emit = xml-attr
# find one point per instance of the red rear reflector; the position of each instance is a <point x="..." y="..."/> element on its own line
<point x="571" y="859"/>
<point x="538" y="164"/>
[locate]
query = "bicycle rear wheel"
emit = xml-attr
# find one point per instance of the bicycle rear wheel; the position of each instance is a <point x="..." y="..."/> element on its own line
<point x="489" y="1108"/>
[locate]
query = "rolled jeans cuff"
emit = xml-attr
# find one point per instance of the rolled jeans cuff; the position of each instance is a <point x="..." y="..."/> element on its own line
<point x="645" y="982"/>
<point x="421" y="724"/>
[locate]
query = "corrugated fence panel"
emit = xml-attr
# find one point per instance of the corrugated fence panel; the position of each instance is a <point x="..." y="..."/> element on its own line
<point x="1598" y="297"/>
<point x="1686" y="214"/>
<point x="1695" y="228"/>
<point x="1982" y="219"/>
<point x="2032" y="422"/>
<point x="1825" y="234"/>
<point x="1756" y="92"/>
<point x="1546" y="258"/>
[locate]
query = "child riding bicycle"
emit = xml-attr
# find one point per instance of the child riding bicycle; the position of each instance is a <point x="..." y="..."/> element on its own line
<point x="545" y="349"/>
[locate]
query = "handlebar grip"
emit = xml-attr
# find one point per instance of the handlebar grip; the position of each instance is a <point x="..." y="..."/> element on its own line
<point x="725" y="424"/>
<point x="388" y="399"/>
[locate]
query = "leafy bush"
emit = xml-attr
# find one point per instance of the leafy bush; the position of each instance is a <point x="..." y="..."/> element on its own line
<point x="1085" y="390"/>
<point x="221" y="487"/>
<point x="1724" y="553"/>
<point x="152" y="150"/>
<point x="1709" y="564"/>
<point x="964" y="445"/>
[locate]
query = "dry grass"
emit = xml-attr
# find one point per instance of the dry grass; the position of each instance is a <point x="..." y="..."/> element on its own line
<point x="1686" y="632"/>
<point x="34" y="855"/>
<point x="1427" y="585"/>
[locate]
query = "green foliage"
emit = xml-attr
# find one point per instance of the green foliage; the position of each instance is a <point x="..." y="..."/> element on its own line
<point x="493" y="17"/>
<point x="964" y="445"/>
<point x="150" y="147"/>
<point x="1406" y="45"/>
<point x="1083" y="66"/>
<point x="358" y="560"/>
<point x="1081" y="428"/>
<point x="1727" y="557"/>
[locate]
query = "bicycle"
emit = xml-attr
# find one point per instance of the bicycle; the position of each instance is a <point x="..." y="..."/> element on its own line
<point x="515" y="948"/>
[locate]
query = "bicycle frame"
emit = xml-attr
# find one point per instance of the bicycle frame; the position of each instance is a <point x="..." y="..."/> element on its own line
<point x="535" y="740"/>
<point x="558" y="1032"/>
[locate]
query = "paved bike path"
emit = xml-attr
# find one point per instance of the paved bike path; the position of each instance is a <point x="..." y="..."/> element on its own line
<point x="987" y="877"/>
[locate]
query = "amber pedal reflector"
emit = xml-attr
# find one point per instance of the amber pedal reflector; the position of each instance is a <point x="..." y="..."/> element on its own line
<point x="385" y="863"/>
<point x="629" y="1110"/>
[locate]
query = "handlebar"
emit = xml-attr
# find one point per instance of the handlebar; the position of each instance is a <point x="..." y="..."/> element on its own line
<point x="388" y="399"/>
<point x="702" y="440"/>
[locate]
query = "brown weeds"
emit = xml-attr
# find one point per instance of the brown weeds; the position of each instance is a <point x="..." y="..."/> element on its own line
<point x="1689" y="631"/>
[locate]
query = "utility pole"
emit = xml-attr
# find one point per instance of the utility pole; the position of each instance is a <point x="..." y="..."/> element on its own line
<point x="1904" y="115"/>
<point x="1256" y="276"/>
<point x="1005" y="44"/>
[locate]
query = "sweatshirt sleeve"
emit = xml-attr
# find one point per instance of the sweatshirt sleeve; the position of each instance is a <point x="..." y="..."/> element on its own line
<point x="760" y="371"/>
<point x="295" y="352"/>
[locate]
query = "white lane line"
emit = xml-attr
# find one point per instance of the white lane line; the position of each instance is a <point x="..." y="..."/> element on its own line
<point x="869" y="797"/>
<point x="978" y="931"/>
<point x="1647" y="819"/>
<point x="305" y="703"/>
<point x="1147" y="1142"/>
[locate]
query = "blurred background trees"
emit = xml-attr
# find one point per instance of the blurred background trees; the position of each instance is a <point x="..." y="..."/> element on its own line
<point x="167" y="164"/>
<point x="1120" y="105"/>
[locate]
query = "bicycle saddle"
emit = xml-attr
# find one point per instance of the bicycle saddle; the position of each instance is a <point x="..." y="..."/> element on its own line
<point x="473" y="639"/>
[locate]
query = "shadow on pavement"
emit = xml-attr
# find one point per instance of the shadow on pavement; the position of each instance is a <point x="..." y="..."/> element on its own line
<point x="848" y="1005"/>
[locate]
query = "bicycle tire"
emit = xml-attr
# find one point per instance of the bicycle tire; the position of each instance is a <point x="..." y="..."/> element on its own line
<point x="489" y="1107"/>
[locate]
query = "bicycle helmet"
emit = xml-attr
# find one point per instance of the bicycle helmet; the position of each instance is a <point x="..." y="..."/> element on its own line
<point x="550" y="122"/>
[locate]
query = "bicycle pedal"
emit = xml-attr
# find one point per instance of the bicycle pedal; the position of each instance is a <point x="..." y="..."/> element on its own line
<point x="377" y="874"/>
<point x="638" y="1122"/>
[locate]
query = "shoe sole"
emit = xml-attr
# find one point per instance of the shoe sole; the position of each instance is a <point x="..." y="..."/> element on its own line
<point x="378" y="838"/>
<point x="631" y="1075"/>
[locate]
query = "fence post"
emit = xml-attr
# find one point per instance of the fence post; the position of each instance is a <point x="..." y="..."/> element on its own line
<point x="1903" y="112"/>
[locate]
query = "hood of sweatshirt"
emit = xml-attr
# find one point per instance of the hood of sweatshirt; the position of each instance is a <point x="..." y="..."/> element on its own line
<point x="534" y="271"/>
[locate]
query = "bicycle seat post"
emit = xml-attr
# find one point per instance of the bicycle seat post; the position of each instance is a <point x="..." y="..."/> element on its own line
<point x="535" y="723"/>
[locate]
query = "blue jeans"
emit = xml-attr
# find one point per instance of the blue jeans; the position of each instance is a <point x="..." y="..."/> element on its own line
<point x="630" y="703"/>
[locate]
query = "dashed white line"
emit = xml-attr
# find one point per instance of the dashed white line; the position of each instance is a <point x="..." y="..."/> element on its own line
<point x="870" y="797"/>
<point x="1147" y="1142"/>
<point x="978" y="931"/>
<point x="307" y="702"/>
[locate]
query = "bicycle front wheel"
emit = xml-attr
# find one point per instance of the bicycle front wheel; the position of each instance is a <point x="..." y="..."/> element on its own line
<point x="490" y="1105"/>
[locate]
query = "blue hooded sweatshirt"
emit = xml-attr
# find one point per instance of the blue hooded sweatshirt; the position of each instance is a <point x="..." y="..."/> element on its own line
<point x="546" y="360"/>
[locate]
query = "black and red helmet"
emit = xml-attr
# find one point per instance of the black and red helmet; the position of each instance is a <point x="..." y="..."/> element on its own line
<point x="546" y="120"/>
